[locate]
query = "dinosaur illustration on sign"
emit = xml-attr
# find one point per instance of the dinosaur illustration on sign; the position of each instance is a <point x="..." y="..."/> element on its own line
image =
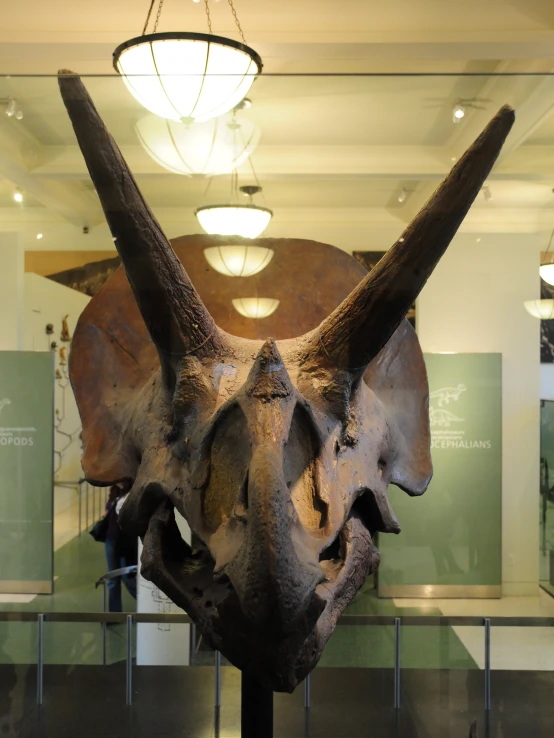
<point x="445" y="395"/>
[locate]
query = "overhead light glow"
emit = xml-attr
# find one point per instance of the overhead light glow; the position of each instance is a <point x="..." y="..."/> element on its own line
<point x="18" y="196"/>
<point x="458" y="112"/>
<point x="248" y="221"/>
<point x="187" y="76"/>
<point x="216" y="146"/>
<point x="255" y="307"/>
<point x="542" y="309"/>
<point x="238" y="260"/>
<point x="39" y="236"/>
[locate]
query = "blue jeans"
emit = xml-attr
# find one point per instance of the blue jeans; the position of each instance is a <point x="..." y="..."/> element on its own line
<point x="115" y="561"/>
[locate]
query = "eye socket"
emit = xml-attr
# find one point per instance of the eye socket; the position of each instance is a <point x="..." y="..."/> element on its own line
<point x="230" y="456"/>
<point x="300" y="454"/>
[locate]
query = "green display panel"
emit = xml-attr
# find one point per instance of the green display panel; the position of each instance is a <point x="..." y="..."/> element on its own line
<point x="450" y="544"/>
<point x="26" y="472"/>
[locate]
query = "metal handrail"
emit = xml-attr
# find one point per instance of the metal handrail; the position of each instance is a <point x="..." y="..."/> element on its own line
<point x="116" y="573"/>
<point x="176" y="618"/>
<point x="130" y="618"/>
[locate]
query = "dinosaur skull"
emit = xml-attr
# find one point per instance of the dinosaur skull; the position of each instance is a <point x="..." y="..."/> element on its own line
<point x="278" y="456"/>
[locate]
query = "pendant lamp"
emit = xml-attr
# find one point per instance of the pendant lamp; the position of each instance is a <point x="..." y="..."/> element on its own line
<point x="236" y="219"/>
<point x="546" y="269"/>
<point x="187" y="76"/>
<point x="238" y="260"/>
<point x="217" y="146"/>
<point x="542" y="309"/>
<point x="255" y="307"/>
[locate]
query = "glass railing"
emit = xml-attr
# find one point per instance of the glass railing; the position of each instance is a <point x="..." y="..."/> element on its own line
<point x="384" y="658"/>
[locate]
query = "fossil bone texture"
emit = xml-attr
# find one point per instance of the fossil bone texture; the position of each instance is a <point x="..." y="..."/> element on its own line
<point x="278" y="454"/>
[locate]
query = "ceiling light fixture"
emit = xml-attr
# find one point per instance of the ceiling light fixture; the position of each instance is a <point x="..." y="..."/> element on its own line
<point x="216" y="146"/>
<point x="458" y="112"/>
<point x="403" y="195"/>
<point x="542" y="309"/>
<point x="39" y="236"/>
<point x="238" y="260"/>
<point x="13" y="110"/>
<point x="18" y="195"/>
<point x="255" y="307"/>
<point x="235" y="219"/>
<point x="187" y="76"/>
<point x="546" y="269"/>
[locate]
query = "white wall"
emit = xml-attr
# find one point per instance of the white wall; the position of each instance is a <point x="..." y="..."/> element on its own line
<point x="161" y="644"/>
<point x="474" y="303"/>
<point x="11" y="292"/>
<point x="547" y="382"/>
<point x="48" y="302"/>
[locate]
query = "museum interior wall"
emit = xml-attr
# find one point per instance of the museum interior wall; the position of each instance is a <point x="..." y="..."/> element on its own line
<point x="471" y="304"/>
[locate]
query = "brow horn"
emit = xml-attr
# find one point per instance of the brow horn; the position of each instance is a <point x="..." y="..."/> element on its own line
<point x="363" y="323"/>
<point x="176" y="317"/>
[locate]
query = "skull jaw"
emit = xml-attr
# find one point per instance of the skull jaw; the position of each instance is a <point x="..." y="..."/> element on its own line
<point x="278" y="659"/>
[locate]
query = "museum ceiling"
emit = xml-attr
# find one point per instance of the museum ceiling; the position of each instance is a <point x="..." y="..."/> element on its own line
<point x="339" y="151"/>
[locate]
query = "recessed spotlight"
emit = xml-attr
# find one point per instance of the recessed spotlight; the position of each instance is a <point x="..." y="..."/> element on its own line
<point x="18" y="196"/>
<point x="478" y="240"/>
<point x="458" y="112"/>
<point x="39" y="236"/>
<point x="403" y="195"/>
<point x="452" y="158"/>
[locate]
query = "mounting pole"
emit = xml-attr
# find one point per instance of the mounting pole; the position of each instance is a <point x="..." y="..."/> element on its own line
<point x="256" y="709"/>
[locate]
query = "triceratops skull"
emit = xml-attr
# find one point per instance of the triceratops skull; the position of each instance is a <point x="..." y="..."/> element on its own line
<point x="279" y="457"/>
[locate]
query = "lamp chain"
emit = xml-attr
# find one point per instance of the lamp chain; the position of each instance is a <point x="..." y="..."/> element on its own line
<point x="158" y="16"/>
<point x="148" y="17"/>
<point x="234" y="12"/>
<point x="208" y="17"/>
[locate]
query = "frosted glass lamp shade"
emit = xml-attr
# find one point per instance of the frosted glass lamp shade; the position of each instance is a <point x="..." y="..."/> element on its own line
<point x="217" y="146"/>
<point x="238" y="260"/>
<point x="248" y="221"/>
<point x="543" y="309"/>
<point x="187" y="76"/>
<point x="255" y="307"/>
<point x="547" y="273"/>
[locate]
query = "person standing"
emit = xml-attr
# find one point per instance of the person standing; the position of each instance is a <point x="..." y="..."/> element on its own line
<point x="121" y="550"/>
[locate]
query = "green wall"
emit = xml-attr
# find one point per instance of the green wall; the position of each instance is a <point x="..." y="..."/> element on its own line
<point x="26" y="471"/>
<point x="451" y="536"/>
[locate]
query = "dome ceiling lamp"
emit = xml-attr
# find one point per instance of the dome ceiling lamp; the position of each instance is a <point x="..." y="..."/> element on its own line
<point x="187" y="76"/>
<point x="236" y="219"/>
<point x="238" y="260"/>
<point x="546" y="269"/>
<point x="216" y="146"/>
<point x="542" y="309"/>
<point x="255" y="307"/>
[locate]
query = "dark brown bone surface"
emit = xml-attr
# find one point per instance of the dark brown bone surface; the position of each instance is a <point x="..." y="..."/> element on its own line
<point x="278" y="455"/>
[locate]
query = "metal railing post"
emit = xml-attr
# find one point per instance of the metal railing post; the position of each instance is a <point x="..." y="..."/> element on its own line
<point x="129" y="674"/>
<point x="80" y="493"/>
<point x="40" y="658"/>
<point x="104" y="624"/>
<point x="396" y="663"/>
<point x="307" y="693"/>
<point x="487" y="664"/>
<point x="217" y="701"/>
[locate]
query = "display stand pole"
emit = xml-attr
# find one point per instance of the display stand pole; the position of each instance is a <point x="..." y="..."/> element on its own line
<point x="256" y="709"/>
